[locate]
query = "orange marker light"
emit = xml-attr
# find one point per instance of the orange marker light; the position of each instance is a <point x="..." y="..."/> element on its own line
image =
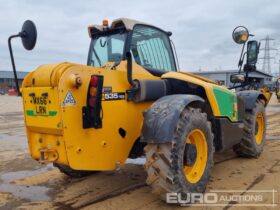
<point x="93" y="91"/>
<point x="105" y="23"/>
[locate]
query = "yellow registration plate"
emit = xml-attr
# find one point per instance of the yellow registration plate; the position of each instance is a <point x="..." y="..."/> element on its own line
<point x="40" y="106"/>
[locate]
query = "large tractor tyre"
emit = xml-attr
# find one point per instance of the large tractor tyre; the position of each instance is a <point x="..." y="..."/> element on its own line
<point x="254" y="131"/>
<point x="72" y="172"/>
<point x="183" y="165"/>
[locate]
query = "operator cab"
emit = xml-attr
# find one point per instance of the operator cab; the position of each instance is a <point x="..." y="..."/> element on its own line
<point x="149" y="46"/>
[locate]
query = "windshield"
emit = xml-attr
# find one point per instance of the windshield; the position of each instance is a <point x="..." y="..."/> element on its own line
<point x="107" y="48"/>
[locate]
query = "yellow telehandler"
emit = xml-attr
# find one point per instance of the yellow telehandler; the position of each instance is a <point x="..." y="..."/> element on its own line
<point x="132" y="100"/>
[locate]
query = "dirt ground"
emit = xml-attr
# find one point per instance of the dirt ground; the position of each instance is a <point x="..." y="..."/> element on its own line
<point x="26" y="184"/>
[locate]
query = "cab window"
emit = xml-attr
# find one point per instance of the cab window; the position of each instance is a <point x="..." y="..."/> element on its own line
<point x="107" y="48"/>
<point x="151" y="49"/>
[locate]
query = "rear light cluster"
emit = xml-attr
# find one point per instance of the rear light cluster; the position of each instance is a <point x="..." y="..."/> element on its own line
<point x="93" y="91"/>
<point x="92" y="112"/>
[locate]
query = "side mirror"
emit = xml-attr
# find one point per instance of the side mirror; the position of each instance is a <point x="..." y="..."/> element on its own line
<point x="28" y="35"/>
<point x="237" y="78"/>
<point x="240" y="34"/>
<point x="252" y="52"/>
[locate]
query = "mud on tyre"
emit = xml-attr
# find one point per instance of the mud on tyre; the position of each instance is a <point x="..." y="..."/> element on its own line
<point x="183" y="165"/>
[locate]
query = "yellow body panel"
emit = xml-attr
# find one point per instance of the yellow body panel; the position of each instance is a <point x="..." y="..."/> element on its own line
<point x="56" y="134"/>
<point x="208" y="87"/>
<point x="92" y="149"/>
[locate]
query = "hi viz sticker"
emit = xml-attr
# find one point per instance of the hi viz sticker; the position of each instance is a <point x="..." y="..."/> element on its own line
<point x="69" y="99"/>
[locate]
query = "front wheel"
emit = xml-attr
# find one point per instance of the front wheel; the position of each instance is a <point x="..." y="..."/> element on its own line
<point x="254" y="130"/>
<point x="183" y="165"/>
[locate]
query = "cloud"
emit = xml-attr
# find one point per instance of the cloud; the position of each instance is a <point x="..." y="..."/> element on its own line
<point x="201" y="29"/>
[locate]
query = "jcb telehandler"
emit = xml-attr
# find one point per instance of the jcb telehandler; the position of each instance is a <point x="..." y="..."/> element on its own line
<point x="130" y="100"/>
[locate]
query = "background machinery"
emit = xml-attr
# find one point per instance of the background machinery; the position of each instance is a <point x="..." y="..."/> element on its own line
<point x="277" y="89"/>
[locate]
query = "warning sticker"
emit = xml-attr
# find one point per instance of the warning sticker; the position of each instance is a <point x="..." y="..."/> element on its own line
<point x="69" y="99"/>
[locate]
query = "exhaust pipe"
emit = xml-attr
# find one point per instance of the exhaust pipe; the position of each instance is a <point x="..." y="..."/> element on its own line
<point x="129" y="70"/>
<point x="144" y="90"/>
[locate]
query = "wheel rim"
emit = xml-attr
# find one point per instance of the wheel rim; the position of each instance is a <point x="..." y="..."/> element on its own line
<point x="259" y="128"/>
<point x="194" y="173"/>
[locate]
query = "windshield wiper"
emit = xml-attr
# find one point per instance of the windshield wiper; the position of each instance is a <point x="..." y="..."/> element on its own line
<point x="98" y="59"/>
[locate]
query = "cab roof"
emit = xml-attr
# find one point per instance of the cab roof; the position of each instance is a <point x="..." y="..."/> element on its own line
<point x="127" y="23"/>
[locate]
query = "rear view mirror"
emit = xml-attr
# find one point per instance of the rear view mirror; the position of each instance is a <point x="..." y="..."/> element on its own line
<point x="28" y="35"/>
<point x="240" y="34"/>
<point x="237" y="78"/>
<point x="252" y="52"/>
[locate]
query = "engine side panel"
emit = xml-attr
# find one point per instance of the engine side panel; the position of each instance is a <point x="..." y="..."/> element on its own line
<point x="227" y="102"/>
<point x="223" y="102"/>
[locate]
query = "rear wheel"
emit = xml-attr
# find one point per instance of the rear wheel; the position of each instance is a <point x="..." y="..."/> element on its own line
<point x="183" y="165"/>
<point x="253" y="139"/>
<point x="72" y="172"/>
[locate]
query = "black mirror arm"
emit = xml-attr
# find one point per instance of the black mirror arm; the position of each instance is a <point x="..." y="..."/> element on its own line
<point x="240" y="63"/>
<point x="13" y="61"/>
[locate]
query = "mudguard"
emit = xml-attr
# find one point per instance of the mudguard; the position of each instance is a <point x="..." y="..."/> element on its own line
<point x="161" y="118"/>
<point x="250" y="96"/>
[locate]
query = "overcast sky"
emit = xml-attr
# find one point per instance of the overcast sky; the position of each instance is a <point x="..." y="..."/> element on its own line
<point x="201" y="29"/>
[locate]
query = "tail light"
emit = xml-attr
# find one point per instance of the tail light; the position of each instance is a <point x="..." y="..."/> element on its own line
<point x="92" y="112"/>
